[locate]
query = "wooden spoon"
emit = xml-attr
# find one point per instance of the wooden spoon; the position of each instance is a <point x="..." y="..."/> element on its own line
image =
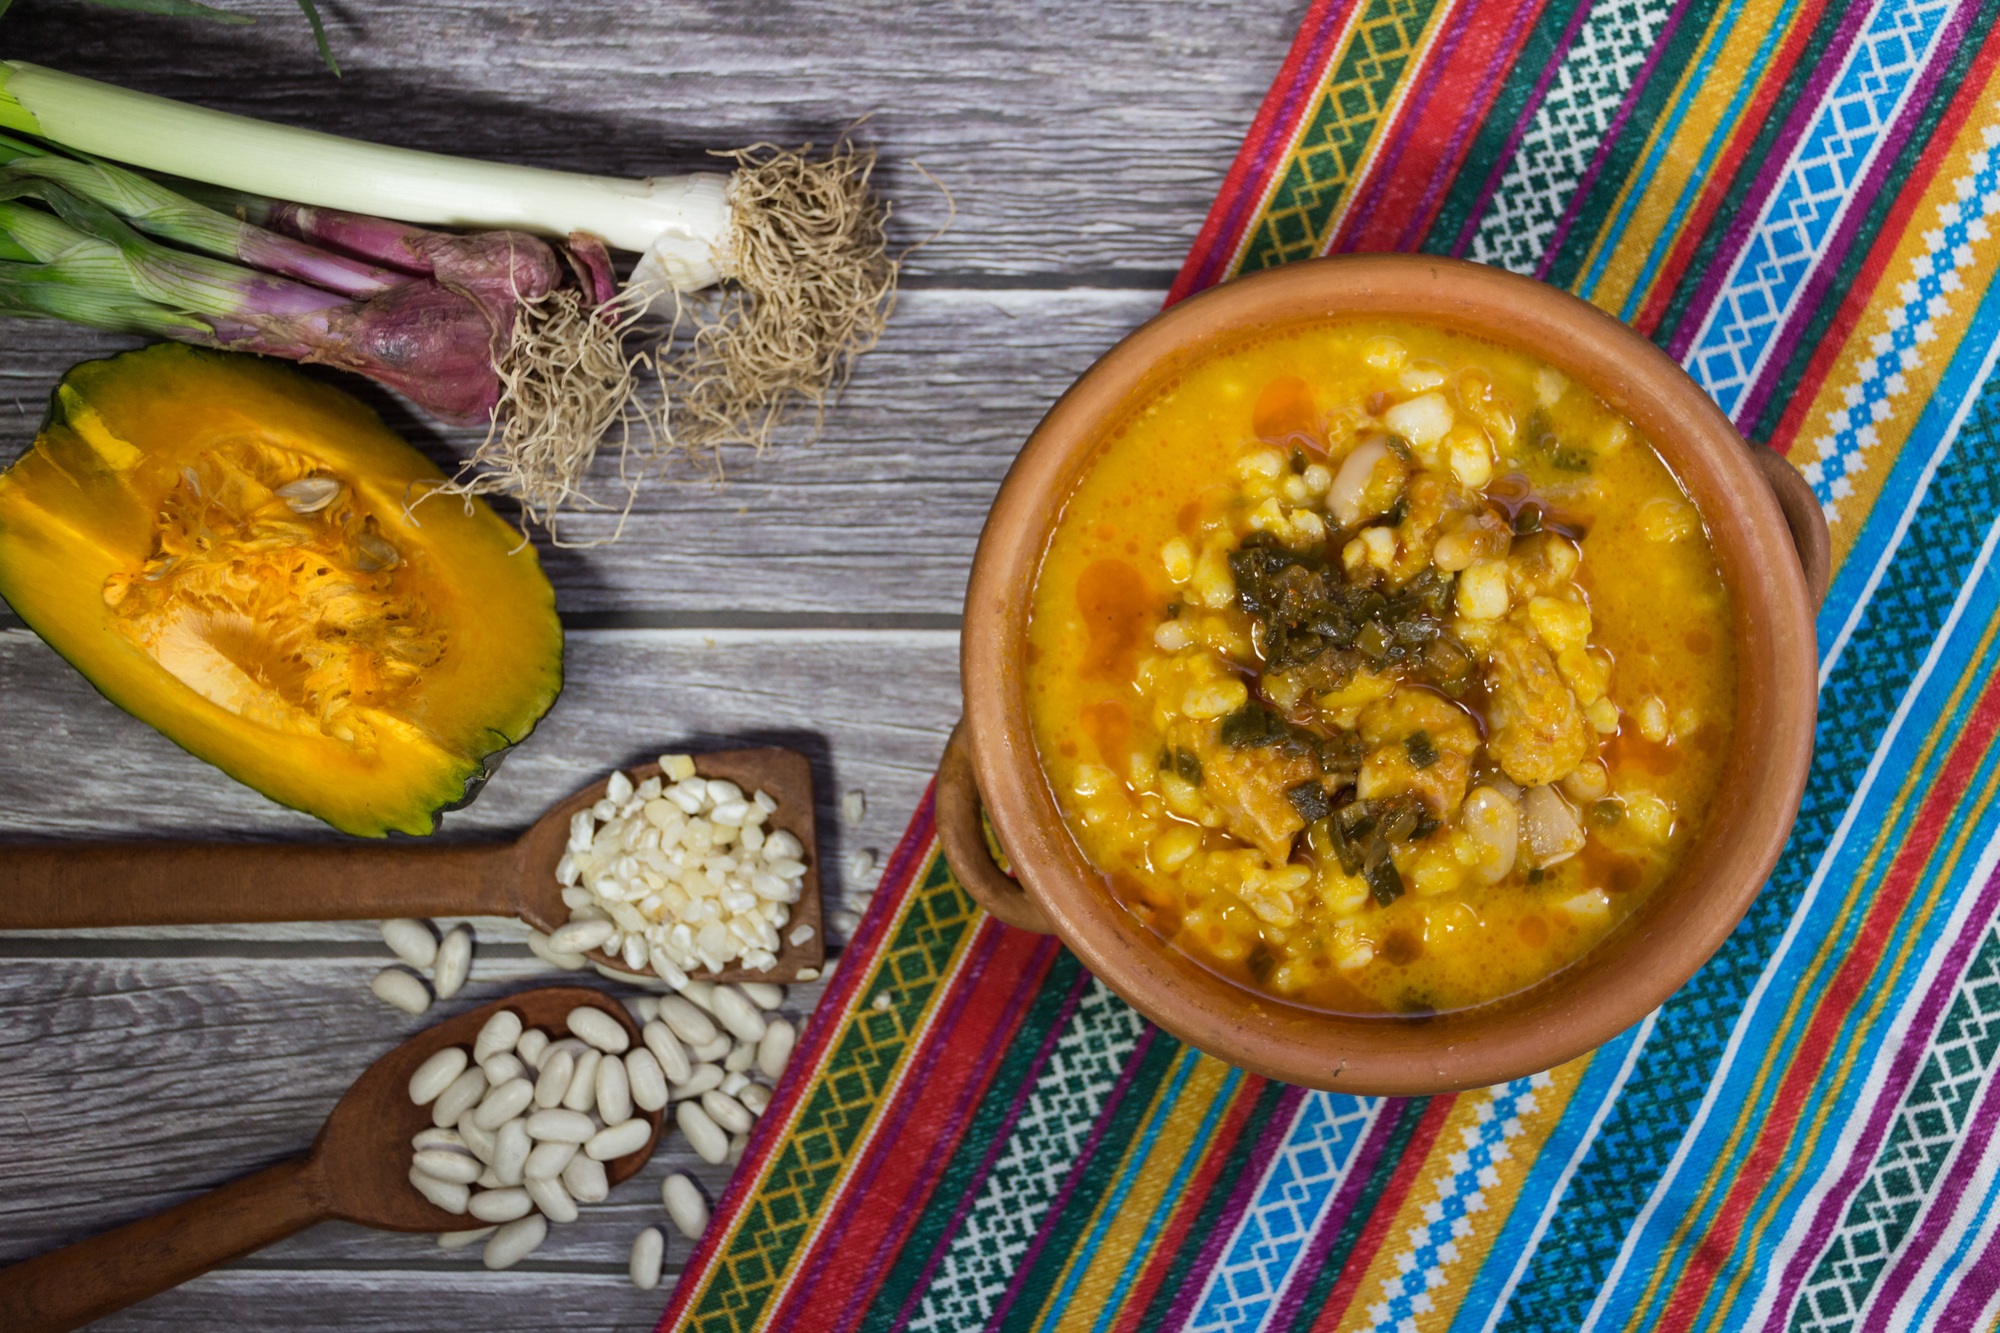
<point x="59" y="886"/>
<point x="357" y="1171"/>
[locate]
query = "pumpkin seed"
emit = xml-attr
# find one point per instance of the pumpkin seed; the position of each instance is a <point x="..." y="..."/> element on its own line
<point x="309" y="495"/>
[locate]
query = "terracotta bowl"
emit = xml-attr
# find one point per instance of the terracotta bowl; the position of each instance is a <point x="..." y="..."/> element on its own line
<point x="1770" y="540"/>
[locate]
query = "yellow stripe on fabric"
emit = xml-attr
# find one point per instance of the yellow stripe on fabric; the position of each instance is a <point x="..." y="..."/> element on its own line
<point x="1681" y="169"/>
<point x="1936" y="872"/>
<point x="783" y="1261"/>
<point x="1806" y="993"/>
<point x="1115" y="1252"/>
<point x="1914" y="255"/>
<point x="1523" y="1152"/>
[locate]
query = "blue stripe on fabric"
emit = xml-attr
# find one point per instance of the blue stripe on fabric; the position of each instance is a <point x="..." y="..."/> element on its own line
<point x="1895" y="629"/>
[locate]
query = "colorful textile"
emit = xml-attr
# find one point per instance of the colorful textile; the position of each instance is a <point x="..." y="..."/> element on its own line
<point x="1792" y="197"/>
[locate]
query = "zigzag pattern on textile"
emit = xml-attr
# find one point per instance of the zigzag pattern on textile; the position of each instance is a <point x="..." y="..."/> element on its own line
<point x="1565" y="132"/>
<point x="1047" y="1139"/>
<point x="1819" y="185"/>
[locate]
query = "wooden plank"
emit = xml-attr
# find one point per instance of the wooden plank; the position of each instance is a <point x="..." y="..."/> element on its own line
<point x="135" y="1084"/>
<point x="873" y="524"/>
<point x="77" y="766"/>
<point x="1080" y="142"/>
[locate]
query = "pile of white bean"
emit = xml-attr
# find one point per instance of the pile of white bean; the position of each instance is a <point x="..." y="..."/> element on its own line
<point x="446" y="962"/>
<point x="523" y="1124"/>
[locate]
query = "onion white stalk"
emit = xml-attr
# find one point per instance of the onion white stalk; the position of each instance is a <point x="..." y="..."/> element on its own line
<point x="799" y="240"/>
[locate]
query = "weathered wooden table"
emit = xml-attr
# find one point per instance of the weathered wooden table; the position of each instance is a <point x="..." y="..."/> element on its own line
<point x="811" y="601"/>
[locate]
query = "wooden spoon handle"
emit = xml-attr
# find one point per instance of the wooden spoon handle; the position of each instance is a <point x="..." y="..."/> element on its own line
<point x="53" y="886"/>
<point x="70" y="1287"/>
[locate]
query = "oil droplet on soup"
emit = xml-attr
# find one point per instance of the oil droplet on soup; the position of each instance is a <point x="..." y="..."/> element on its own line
<point x="1346" y="667"/>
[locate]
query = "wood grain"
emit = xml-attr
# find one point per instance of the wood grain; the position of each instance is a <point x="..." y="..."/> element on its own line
<point x="812" y="601"/>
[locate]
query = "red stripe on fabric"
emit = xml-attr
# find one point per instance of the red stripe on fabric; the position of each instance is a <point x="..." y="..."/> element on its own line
<point x="1215" y="1155"/>
<point x="1462" y="75"/>
<point x="886" y="1188"/>
<point x="1382" y="1212"/>
<point x="1301" y="76"/>
<point x="1795" y="1092"/>
<point x="1856" y="300"/>
<point x="1695" y="227"/>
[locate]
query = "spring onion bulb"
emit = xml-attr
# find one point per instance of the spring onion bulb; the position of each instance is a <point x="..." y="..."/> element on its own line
<point x="798" y="242"/>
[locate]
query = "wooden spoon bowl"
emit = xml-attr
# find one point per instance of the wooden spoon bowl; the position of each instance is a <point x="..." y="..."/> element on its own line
<point x="357" y="1171"/>
<point x="58" y="886"/>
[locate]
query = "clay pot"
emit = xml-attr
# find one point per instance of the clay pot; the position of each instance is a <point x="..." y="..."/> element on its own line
<point x="1771" y="543"/>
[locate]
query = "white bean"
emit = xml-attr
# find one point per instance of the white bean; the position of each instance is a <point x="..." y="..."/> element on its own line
<point x="738" y="1014"/>
<point x="713" y="1051"/>
<point x="667" y="1049"/>
<point x="411" y="940"/>
<point x="756" y="1098"/>
<point x="550" y="1085"/>
<point x="548" y="1160"/>
<point x="685" y="1205"/>
<point x="439" y="1138"/>
<point x="647" y="1081"/>
<point x="581" y="936"/>
<point x="489" y="1179"/>
<point x="501" y="1205"/>
<point x="481" y="1143"/>
<point x="699" y="1080"/>
<point x="702" y="993"/>
<point x="740" y="1058"/>
<point x="516" y="1241"/>
<point x="434" y="1075"/>
<point x="558" y="1126"/>
<point x="735" y="1083"/>
<point x="737" y="1143"/>
<point x="402" y="988"/>
<point x="461" y="1096"/>
<point x="500" y="1068"/>
<point x="649" y="1252"/>
<point x="646" y="1008"/>
<point x="690" y="1024"/>
<point x="510" y="1151"/>
<point x="454" y="961"/>
<point x="504" y="1103"/>
<point x="552" y="1199"/>
<point x="585" y="1180"/>
<point x="614" y="1091"/>
<point x="534" y="1042"/>
<point x="582" y="1092"/>
<point x="703" y="1134"/>
<point x="726" y="1111"/>
<point x="446" y="1194"/>
<point x="598" y="1028"/>
<point x="762" y="994"/>
<point x="497" y="1036"/>
<point x="445" y="1164"/>
<point x="775" y="1051"/>
<point x="616" y="1141"/>
<point x="458" y="1240"/>
<point x="538" y="945"/>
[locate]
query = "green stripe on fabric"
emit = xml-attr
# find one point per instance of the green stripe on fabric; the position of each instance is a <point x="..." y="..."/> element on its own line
<point x="1509" y="109"/>
<point x="1095" y="1175"/>
<point x="1337" y="133"/>
<point x="1626" y="151"/>
<point x="869" y="1050"/>
<point x="1400" y="1132"/>
<point x="1268" y="1098"/>
<point x="1900" y="179"/>
<point x="1753" y="164"/>
<point x="963" y="1173"/>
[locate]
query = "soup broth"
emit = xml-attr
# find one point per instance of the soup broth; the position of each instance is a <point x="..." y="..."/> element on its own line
<point x="1379" y="667"/>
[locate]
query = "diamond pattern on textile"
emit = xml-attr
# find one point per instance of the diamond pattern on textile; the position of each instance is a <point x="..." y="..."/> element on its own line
<point x="1312" y="183"/>
<point x="1461" y="1194"/>
<point x="1798" y="222"/>
<point x="867" y="1053"/>
<point x="1926" y="295"/>
<point x="1046" y="1141"/>
<point x="1585" y="94"/>
<point x="1961" y="1058"/>
<point x="1290" y="1200"/>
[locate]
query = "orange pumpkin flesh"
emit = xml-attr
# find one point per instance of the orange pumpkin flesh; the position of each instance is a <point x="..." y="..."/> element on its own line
<point x="220" y="544"/>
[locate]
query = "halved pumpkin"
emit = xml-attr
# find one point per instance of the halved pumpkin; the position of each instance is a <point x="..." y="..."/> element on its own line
<point x="220" y="544"/>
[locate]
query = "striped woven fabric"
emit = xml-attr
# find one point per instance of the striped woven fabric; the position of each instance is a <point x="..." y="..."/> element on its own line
<point x="1792" y="197"/>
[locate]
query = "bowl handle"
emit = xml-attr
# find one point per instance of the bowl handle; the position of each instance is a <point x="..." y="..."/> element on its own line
<point x="1803" y="516"/>
<point x="961" y="830"/>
